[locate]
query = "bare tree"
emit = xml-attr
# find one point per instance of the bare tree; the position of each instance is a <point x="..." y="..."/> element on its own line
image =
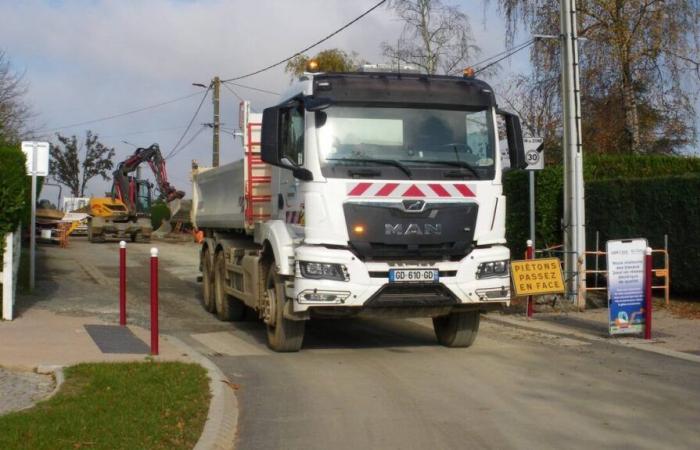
<point x="14" y="111"/>
<point x="67" y="169"/>
<point x="640" y="67"/>
<point x="436" y="36"/>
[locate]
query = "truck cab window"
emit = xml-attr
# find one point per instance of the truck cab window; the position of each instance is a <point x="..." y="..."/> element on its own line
<point x="292" y="138"/>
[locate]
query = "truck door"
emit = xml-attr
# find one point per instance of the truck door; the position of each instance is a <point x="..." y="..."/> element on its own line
<point x="290" y="204"/>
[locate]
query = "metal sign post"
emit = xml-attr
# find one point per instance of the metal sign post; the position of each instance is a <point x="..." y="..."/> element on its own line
<point x="37" y="155"/>
<point x="534" y="156"/>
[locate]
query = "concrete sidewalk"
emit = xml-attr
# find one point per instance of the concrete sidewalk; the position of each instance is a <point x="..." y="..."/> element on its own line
<point x="671" y="336"/>
<point x="42" y="338"/>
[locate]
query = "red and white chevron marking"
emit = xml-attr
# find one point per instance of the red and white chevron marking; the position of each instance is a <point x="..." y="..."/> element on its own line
<point x="411" y="190"/>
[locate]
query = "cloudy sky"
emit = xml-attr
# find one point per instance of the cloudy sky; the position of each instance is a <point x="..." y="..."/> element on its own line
<point x="88" y="59"/>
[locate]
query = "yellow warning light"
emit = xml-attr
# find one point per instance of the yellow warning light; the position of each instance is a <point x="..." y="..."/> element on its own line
<point x="359" y="229"/>
<point x="312" y="66"/>
<point x="468" y="72"/>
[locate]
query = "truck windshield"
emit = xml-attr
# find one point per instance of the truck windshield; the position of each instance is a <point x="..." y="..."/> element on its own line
<point x="430" y="143"/>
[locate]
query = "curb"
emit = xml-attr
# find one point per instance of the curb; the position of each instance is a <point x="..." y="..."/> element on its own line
<point x="58" y="376"/>
<point x="221" y="425"/>
<point x="638" y="344"/>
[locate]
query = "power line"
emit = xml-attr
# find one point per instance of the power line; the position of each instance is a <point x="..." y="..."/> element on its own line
<point x="189" y="125"/>
<point x="194" y="136"/>
<point x="253" y="88"/>
<point x="114" y="116"/>
<point x="233" y="92"/>
<point x="485" y="60"/>
<point x="508" y="55"/>
<point x="264" y="69"/>
<point x="132" y="133"/>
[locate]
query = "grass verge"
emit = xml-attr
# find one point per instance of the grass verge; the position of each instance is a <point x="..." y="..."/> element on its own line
<point x="116" y="406"/>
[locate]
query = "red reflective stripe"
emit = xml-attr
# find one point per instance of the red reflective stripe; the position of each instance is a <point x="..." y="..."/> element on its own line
<point x="464" y="190"/>
<point x="439" y="190"/>
<point x="387" y="189"/>
<point x="413" y="191"/>
<point x="360" y="189"/>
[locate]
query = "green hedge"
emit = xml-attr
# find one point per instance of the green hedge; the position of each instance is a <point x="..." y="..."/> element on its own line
<point x="626" y="196"/>
<point x="14" y="189"/>
<point x="650" y="208"/>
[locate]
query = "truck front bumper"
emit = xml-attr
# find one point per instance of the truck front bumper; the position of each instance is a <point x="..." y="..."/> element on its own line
<point x="367" y="284"/>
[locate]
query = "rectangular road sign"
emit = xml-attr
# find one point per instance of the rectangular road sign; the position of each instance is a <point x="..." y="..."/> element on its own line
<point x="534" y="156"/>
<point x="537" y="276"/>
<point x="41" y="165"/>
<point x="626" y="285"/>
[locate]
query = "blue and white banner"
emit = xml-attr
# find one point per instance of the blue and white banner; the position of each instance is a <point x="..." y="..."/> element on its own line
<point x="626" y="285"/>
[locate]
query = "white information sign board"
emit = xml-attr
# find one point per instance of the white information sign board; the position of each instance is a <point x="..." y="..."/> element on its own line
<point x="42" y="157"/>
<point x="626" y="285"/>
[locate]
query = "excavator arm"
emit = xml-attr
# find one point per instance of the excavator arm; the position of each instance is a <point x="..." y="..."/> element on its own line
<point x="124" y="185"/>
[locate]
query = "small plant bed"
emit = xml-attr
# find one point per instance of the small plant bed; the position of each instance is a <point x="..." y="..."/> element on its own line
<point x="116" y="406"/>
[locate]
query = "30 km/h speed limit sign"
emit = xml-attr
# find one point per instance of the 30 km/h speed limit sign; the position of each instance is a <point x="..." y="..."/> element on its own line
<point x="534" y="156"/>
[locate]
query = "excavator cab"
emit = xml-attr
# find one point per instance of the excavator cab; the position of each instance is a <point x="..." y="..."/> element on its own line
<point x="144" y="197"/>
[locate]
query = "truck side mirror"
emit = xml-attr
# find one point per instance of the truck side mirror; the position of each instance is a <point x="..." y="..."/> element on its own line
<point x="269" y="137"/>
<point x="514" y="134"/>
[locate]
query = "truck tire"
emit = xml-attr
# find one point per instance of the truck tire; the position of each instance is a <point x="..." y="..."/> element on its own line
<point x="207" y="283"/>
<point x="227" y="307"/>
<point x="285" y="335"/>
<point x="457" y="329"/>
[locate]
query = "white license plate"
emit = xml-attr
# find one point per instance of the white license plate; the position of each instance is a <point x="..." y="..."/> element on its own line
<point x="413" y="275"/>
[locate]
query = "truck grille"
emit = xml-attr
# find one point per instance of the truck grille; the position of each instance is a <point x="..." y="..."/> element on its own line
<point x="438" y="231"/>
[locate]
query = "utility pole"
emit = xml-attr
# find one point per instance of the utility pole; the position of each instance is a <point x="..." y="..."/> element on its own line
<point x="216" y="84"/>
<point x="574" y="206"/>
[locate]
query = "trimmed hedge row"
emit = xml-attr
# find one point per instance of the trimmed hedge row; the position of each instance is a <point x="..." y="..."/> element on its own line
<point x="626" y="196"/>
<point x="14" y="190"/>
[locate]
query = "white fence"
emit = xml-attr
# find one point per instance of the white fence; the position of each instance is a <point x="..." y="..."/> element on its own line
<point x="8" y="276"/>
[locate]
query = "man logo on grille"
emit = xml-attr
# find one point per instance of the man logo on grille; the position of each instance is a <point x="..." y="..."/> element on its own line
<point x="413" y="205"/>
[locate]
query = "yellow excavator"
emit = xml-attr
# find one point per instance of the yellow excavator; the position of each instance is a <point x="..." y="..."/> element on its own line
<point x="126" y="212"/>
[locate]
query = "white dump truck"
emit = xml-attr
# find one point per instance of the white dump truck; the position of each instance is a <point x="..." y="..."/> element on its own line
<point x="361" y="194"/>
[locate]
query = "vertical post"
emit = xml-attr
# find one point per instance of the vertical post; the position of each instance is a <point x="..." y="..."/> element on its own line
<point x="216" y="84"/>
<point x="647" y="294"/>
<point x="597" y="250"/>
<point x="574" y="211"/>
<point x="154" y="301"/>
<point x="532" y="206"/>
<point x="32" y="224"/>
<point x="8" y="290"/>
<point x="530" y="299"/>
<point x="122" y="283"/>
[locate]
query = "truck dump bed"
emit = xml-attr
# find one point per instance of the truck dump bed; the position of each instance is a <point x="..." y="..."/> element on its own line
<point x="236" y="195"/>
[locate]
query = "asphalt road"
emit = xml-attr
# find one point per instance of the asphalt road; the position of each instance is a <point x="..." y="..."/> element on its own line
<point x="385" y="384"/>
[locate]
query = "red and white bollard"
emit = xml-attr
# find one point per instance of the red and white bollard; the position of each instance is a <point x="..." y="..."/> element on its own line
<point x="122" y="283"/>
<point x="530" y="254"/>
<point x="154" y="301"/>
<point x="647" y="293"/>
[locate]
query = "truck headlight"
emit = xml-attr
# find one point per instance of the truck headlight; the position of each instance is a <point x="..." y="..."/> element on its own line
<point x="493" y="269"/>
<point x="323" y="271"/>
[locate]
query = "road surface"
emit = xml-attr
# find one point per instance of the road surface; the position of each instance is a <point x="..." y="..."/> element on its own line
<point x="385" y="384"/>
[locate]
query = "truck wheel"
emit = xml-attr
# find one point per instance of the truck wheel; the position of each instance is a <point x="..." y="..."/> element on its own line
<point x="283" y="335"/>
<point x="227" y="307"/>
<point x="207" y="283"/>
<point x="457" y="329"/>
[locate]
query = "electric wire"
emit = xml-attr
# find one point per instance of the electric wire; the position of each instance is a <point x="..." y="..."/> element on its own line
<point x="132" y="133"/>
<point x="507" y="55"/>
<point x="253" y="88"/>
<point x="186" y="144"/>
<point x="271" y="66"/>
<point x="233" y="92"/>
<point x="114" y="116"/>
<point x="189" y="125"/>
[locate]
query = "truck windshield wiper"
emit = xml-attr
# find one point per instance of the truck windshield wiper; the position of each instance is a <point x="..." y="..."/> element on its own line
<point x="462" y="164"/>
<point x="386" y="162"/>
